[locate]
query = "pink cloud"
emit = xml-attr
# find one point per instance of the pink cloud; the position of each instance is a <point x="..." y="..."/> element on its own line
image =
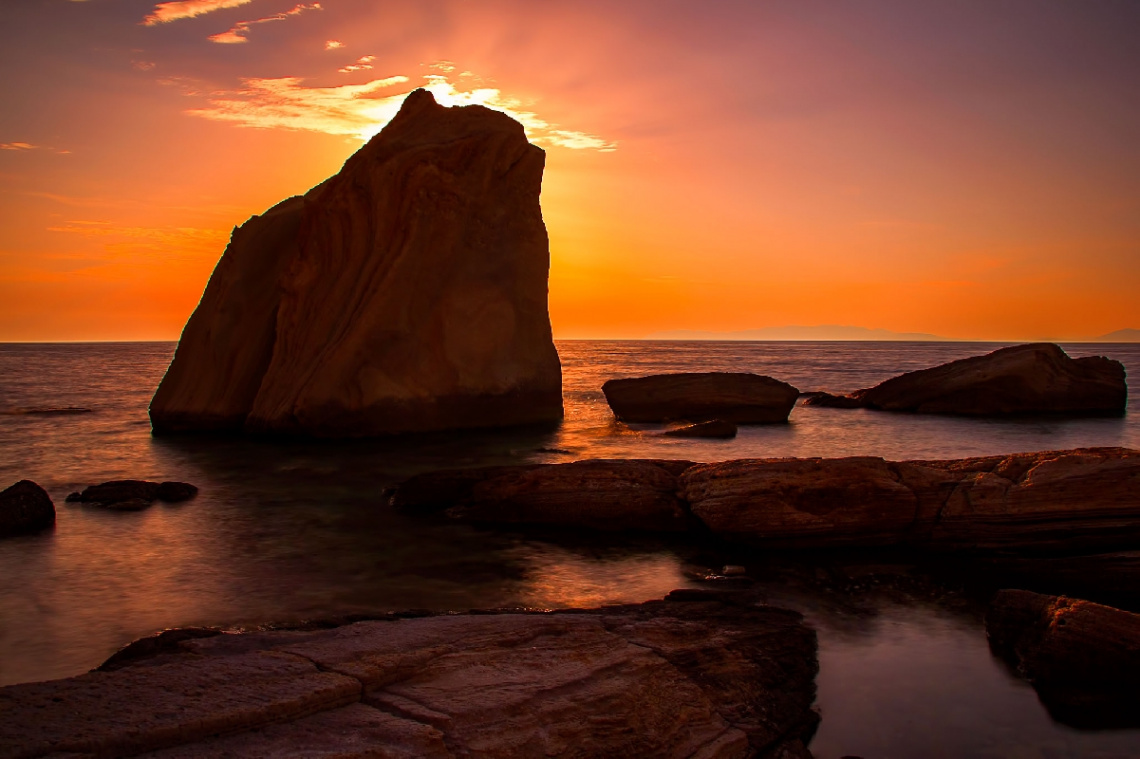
<point x="179" y="9"/>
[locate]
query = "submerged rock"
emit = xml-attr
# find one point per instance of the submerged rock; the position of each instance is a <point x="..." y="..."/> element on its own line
<point x="133" y="495"/>
<point x="25" y="507"/>
<point x="696" y="676"/>
<point x="1054" y="502"/>
<point x="717" y="428"/>
<point x="699" y="397"/>
<point x="1082" y="658"/>
<point x="1024" y="379"/>
<point x="406" y="293"/>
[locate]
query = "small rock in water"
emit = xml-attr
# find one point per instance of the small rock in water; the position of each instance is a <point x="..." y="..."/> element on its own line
<point x="716" y="428"/>
<point x="176" y="492"/>
<point x="733" y="570"/>
<point x="25" y="507"/>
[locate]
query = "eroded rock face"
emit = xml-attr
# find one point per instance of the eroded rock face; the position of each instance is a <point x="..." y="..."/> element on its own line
<point x="695" y="676"/>
<point x="1083" y="658"/>
<point x="1024" y="379"/>
<point x="406" y="293"/>
<point x="25" y="507"/>
<point x="1054" y="502"/>
<point x="597" y="494"/>
<point x="701" y="397"/>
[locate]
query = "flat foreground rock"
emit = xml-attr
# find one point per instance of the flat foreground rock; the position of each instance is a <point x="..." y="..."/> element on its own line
<point x="25" y="507"/>
<point x="695" y="676"/>
<point x="701" y="397"/>
<point x="1083" y="658"/>
<point x="407" y="293"/>
<point x="1082" y="500"/>
<point x="1039" y="378"/>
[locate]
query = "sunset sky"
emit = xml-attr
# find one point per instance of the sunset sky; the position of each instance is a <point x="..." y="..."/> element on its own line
<point x="969" y="169"/>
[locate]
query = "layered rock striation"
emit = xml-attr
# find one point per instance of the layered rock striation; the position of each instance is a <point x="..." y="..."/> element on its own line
<point x="1021" y="380"/>
<point x="406" y="293"/>
<point x="740" y="398"/>
<point x="1050" y="502"/>
<point x="691" y="676"/>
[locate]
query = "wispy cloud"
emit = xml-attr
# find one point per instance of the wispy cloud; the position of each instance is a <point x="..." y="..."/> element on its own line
<point x="179" y="9"/>
<point x="333" y="45"/>
<point x="128" y="241"/>
<point x="363" y="63"/>
<point x="362" y="110"/>
<point x="240" y="31"/>
<point x="24" y="147"/>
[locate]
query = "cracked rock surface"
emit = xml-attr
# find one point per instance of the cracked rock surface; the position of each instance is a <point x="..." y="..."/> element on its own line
<point x="1080" y="500"/>
<point x="697" y="675"/>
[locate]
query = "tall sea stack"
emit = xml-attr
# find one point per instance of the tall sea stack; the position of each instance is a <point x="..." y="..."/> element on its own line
<point x="407" y="293"/>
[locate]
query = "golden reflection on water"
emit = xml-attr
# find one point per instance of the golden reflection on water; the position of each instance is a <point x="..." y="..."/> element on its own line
<point x="559" y="579"/>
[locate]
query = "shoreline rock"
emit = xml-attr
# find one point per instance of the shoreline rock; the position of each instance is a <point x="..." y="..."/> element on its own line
<point x="1022" y="380"/>
<point x="25" y="508"/>
<point x="407" y="293"/>
<point x="1049" y="502"/>
<point x="1083" y="658"/>
<point x="695" y="674"/>
<point x="701" y="397"/>
<point x="715" y="428"/>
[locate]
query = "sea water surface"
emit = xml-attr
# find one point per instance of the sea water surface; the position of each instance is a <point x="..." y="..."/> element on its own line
<point x="300" y="530"/>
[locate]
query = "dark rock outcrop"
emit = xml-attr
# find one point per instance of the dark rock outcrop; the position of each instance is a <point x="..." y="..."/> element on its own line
<point x="1039" y="378"/>
<point x="600" y="494"/>
<point x="406" y="293"/>
<point x="25" y="507"/>
<point x="1050" y="502"/>
<point x="701" y="397"/>
<point x="133" y="495"/>
<point x="1083" y="658"/>
<point x="696" y="676"/>
<point x="717" y="428"/>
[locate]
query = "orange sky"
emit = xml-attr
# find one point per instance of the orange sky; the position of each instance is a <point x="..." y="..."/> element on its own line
<point x="972" y="171"/>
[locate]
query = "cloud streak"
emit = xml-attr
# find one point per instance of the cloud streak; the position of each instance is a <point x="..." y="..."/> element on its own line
<point x="362" y="110"/>
<point x="179" y="9"/>
<point x="240" y="31"/>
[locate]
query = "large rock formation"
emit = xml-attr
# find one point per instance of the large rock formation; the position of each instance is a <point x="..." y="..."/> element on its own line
<point x="25" y="507"/>
<point x="701" y="397"/>
<point x="694" y="676"/>
<point x="1083" y="658"/>
<point x="1023" y="379"/>
<point x="1057" y="502"/>
<point x="406" y="293"/>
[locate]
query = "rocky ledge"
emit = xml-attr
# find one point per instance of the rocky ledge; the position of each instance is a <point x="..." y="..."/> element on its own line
<point x="1083" y="658"/>
<point x="1056" y="502"/>
<point x="696" y="675"/>
<point x="701" y="397"/>
<point x="1039" y="378"/>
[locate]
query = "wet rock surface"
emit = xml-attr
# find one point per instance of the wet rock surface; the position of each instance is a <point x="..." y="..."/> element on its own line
<point x="700" y="674"/>
<point x="1083" y="658"/>
<point x="1033" y="379"/>
<point x="406" y="293"/>
<point x="24" y="508"/>
<point x="1076" y="501"/>
<point x="699" y="397"/>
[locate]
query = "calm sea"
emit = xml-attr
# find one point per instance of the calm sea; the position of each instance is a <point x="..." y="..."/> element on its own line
<point x="289" y="531"/>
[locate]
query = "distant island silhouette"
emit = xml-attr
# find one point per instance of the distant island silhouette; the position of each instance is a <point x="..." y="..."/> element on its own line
<point x="837" y="332"/>
<point x="818" y="332"/>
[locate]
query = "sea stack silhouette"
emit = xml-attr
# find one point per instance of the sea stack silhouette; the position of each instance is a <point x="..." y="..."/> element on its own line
<point x="406" y="293"/>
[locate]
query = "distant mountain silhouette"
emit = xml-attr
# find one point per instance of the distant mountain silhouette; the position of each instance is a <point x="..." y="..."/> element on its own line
<point x="818" y="332"/>
<point x="1121" y="336"/>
